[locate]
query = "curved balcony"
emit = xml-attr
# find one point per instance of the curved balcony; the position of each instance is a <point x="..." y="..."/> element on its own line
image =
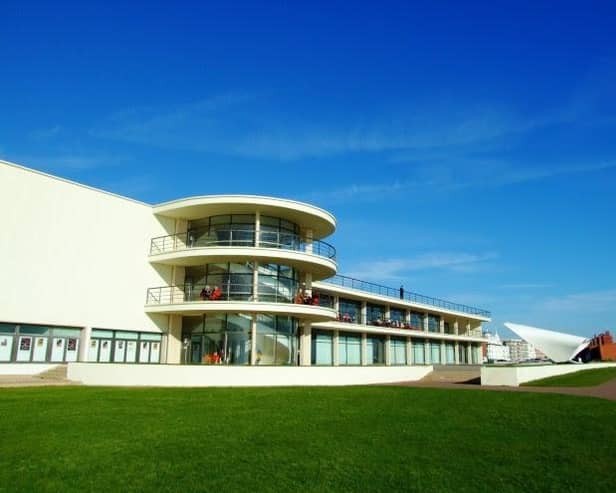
<point x="225" y="243"/>
<point x="232" y="298"/>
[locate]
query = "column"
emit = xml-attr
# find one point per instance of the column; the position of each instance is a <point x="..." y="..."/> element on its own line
<point x="364" y="313"/>
<point x="443" y="353"/>
<point x="425" y="322"/>
<point x="469" y="356"/>
<point x="387" y="350"/>
<point x="456" y="327"/>
<point x="409" y="351"/>
<point x="255" y="282"/>
<point x="468" y="328"/>
<point x="257" y="228"/>
<point x="364" y="348"/>
<point x="308" y="237"/>
<point x="387" y="312"/>
<point x="305" y="355"/>
<point x="407" y="317"/>
<point x="337" y="305"/>
<point x="173" y="350"/>
<point x="84" y="343"/>
<point x="442" y="325"/>
<point x="456" y="352"/>
<point x="253" y="340"/>
<point x="336" y="355"/>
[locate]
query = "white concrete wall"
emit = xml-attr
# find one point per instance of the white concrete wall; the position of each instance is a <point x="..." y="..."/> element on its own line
<point x="72" y="255"/>
<point x="513" y="376"/>
<point x="238" y="376"/>
<point x="24" y="368"/>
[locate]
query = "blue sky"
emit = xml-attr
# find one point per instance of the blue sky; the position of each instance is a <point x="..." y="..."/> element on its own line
<point x="468" y="151"/>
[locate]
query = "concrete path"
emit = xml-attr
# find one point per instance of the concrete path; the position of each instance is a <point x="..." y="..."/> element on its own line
<point x="31" y="381"/>
<point x="604" y="391"/>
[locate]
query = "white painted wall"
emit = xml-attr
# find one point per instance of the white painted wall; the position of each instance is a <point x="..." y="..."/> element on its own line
<point x="513" y="376"/>
<point x="72" y="255"/>
<point x="238" y="376"/>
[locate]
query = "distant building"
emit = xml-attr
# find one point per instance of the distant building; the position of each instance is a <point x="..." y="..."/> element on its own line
<point x="495" y="349"/>
<point x="520" y="350"/>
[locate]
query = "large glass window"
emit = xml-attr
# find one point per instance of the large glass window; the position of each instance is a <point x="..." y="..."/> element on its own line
<point x="231" y="281"/>
<point x="450" y="351"/>
<point x="322" y="348"/>
<point x="375" y="350"/>
<point x="325" y="300"/>
<point x="462" y="354"/>
<point x="279" y="233"/>
<point x="119" y="346"/>
<point x="396" y="315"/>
<point x="417" y="320"/>
<point x="435" y="352"/>
<point x="350" y="311"/>
<point x="349" y="349"/>
<point x="224" y="230"/>
<point x="434" y="323"/>
<point x="376" y="314"/>
<point x="418" y="351"/>
<point x="26" y="343"/>
<point x="277" y="283"/>
<point x="276" y="340"/>
<point x="397" y="350"/>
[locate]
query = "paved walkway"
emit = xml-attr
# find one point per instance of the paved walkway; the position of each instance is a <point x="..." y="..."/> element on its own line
<point x="604" y="391"/>
<point x="31" y="381"/>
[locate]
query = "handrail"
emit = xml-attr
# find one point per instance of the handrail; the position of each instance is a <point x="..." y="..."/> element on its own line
<point x="370" y="287"/>
<point x="228" y="291"/>
<point x="224" y="235"/>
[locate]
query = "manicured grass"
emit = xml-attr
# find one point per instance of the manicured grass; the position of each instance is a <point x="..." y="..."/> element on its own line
<point x="303" y="439"/>
<point x="583" y="378"/>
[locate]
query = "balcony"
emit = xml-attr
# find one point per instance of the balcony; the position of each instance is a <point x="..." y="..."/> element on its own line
<point x="226" y="243"/>
<point x="233" y="298"/>
<point x="389" y="292"/>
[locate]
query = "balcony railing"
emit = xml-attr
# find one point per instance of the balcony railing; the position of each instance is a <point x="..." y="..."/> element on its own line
<point x="270" y="289"/>
<point x="349" y="282"/>
<point x="225" y="236"/>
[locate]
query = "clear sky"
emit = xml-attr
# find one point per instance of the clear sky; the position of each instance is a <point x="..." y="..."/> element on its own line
<point x="468" y="151"/>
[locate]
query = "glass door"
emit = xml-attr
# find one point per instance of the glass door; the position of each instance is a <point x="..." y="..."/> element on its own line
<point x="144" y="352"/>
<point x="72" y="349"/>
<point x="57" y="349"/>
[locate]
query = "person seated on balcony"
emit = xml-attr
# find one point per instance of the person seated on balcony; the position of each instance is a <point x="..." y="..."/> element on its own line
<point x="346" y="318"/>
<point x="299" y="297"/>
<point x="206" y="293"/>
<point x="216" y="294"/>
<point x="307" y="298"/>
<point x="216" y="358"/>
<point x="315" y="299"/>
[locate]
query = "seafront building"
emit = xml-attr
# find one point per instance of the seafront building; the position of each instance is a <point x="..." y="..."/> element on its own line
<point x="233" y="280"/>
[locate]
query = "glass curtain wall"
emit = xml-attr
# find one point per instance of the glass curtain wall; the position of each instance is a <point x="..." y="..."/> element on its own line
<point x="279" y="233"/>
<point x="396" y="315"/>
<point x="435" y="352"/>
<point x="349" y="349"/>
<point x="233" y="279"/>
<point x="450" y="353"/>
<point x="217" y="339"/>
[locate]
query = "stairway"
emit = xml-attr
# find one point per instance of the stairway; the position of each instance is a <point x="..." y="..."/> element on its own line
<point x="56" y="374"/>
<point x="454" y="374"/>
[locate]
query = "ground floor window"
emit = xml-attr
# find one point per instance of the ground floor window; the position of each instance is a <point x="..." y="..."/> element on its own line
<point x="462" y="354"/>
<point x="276" y="342"/>
<point x="418" y="351"/>
<point x="26" y="343"/>
<point x="474" y="358"/>
<point x="450" y="351"/>
<point x="375" y="350"/>
<point x="397" y="349"/>
<point x="435" y="352"/>
<point x="349" y="349"/>
<point x="322" y="348"/>
<point x="117" y="346"/>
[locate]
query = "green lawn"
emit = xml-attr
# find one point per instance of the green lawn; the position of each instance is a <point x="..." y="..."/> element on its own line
<point x="303" y="439"/>
<point x="584" y="378"/>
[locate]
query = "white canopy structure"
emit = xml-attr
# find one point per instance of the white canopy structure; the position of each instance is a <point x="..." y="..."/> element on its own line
<point x="557" y="346"/>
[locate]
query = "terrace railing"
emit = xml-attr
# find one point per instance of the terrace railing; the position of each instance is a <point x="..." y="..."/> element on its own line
<point x="228" y="236"/>
<point x="370" y="287"/>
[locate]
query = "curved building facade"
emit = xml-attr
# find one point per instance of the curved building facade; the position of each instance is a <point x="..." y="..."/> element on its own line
<point x="232" y="280"/>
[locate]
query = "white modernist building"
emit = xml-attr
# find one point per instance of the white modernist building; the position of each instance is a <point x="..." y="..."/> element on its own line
<point x="233" y="280"/>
